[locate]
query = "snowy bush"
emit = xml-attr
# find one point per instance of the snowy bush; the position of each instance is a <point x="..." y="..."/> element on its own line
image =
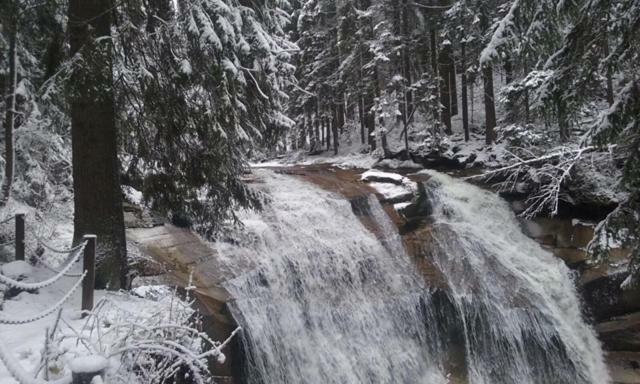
<point x="521" y="135"/>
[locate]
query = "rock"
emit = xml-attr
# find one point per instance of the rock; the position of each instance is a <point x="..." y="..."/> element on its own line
<point x="621" y="333"/>
<point x="382" y="177"/>
<point x="420" y="206"/>
<point x="594" y="184"/>
<point x="624" y="367"/>
<point x="571" y="256"/>
<point x="605" y="299"/>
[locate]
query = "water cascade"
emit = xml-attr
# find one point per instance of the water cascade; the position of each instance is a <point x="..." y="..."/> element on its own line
<point x="329" y="302"/>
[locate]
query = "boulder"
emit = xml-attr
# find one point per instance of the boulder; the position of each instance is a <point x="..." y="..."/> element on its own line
<point x="382" y="177"/>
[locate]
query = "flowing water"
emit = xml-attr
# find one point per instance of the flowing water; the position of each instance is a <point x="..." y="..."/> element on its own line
<point x="330" y="302"/>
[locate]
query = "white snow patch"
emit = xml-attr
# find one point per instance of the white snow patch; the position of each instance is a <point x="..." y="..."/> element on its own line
<point x="16" y="269"/>
<point x="391" y="191"/>
<point x="379" y="176"/>
<point x="88" y="364"/>
<point x="132" y="195"/>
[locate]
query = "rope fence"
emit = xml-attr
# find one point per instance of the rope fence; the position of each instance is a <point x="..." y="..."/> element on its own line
<point x="87" y="250"/>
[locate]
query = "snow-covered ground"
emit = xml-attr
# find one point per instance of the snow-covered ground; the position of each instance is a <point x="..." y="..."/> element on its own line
<point x="125" y="328"/>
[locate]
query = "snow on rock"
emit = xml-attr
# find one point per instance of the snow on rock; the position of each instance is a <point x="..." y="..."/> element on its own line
<point x="17" y="269"/>
<point x="132" y="195"/>
<point x="382" y="177"/>
<point x="399" y="207"/>
<point x="393" y="193"/>
<point x="88" y="364"/>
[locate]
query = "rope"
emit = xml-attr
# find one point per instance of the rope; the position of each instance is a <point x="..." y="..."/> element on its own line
<point x="33" y="286"/>
<point x="46" y="312"/>
<point x="51" y="268"/>
<point x="7" y="220"/>
<point x="55" y="250"/>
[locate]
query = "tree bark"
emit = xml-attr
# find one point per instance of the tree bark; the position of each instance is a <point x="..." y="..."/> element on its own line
<point x="328" y="125"/>
<point x="465" y="101"/>
<point x="508" y="70"/>
<point x="434" y="64"/>
<point x="408" y="96"/>
<point x="489" y="104"/>
<point x="334" y="129"/>
<point x="9" y="118"/>
<point x="370" y="120"/>
<point x="453" y="85"/>
<point x="361" y="117"/>
<point x="96" y="171"/>
<point x="445" y="94"/>
<point x="609" y="72"/>
<point x="317" y="144"/>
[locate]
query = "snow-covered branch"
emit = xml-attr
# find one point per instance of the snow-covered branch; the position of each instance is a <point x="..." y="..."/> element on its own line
<point x="547" y="174"/>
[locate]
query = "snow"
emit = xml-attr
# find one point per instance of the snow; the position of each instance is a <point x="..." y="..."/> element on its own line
<point x="88" y="364"/>
<point x="374" y="175"/>
<point x="185" y="67"/>
<point x="392" y="191"/>
<point x="132" y="195"/>
<point x="16" y="269"/>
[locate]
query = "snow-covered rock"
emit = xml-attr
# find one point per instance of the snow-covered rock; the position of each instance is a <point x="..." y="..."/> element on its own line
<point x="392" y="193"/>
<point x="382" y="177"/>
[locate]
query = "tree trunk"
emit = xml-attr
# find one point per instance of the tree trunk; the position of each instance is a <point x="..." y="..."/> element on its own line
<point x="316" y="126"/>
<point x="434" y="64"/>
<point x="334" y="129"/>
<point x="370" y="120"/>
<point x="311" y="137"/>
<point x="9" y="118"/>
<point x="445" y="94"/>
<point x="453" y="85"/>
<point x="340" y="115"/>
<point x="508" y="70"/>
<point x="489" y="104"/>
<point x="609" y="72"/>
<point x="96" y="176"/>
<point x="465" y="101"/>
<point x="408" y="96"/>
<point x="328" y="125"/>
<point x="361" y="117"/>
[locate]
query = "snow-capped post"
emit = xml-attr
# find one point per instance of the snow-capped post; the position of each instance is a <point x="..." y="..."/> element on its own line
<point x="88" y="265"/>
<point x="20" y="236"/>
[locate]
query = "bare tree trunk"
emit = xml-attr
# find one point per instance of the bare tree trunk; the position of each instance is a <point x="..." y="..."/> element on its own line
<point x="361" y="117"/>
<point x="445" y="94"/>
<point x="96" y="171"/>
<point x="316" y="123"/>
<point x="340" y="115"/>
<point x="434" y="63"/>
<point x="328" y="125"/>
<point x="408" y="96"/>
<point x="465" y="101"/>
<point x="508" y="69"/>
<point x="453" y="85"/>
<point x="334" y="129"/>
<point x="489" y="104"/>
<point x="370" y="121"/>
<point x="609" y="72"/>
<point x="9" y="118"/>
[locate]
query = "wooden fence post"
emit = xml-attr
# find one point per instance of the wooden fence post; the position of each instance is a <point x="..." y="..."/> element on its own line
<point x="19" y="236"/>
<point x="88" y="265"/>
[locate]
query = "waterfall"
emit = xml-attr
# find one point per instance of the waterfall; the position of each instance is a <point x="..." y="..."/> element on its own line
<point x="516" y="304"/>
<point x="327" y="301"/>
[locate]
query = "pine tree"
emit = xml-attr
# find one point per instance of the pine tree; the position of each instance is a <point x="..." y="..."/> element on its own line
<point x="96" y="176"/>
